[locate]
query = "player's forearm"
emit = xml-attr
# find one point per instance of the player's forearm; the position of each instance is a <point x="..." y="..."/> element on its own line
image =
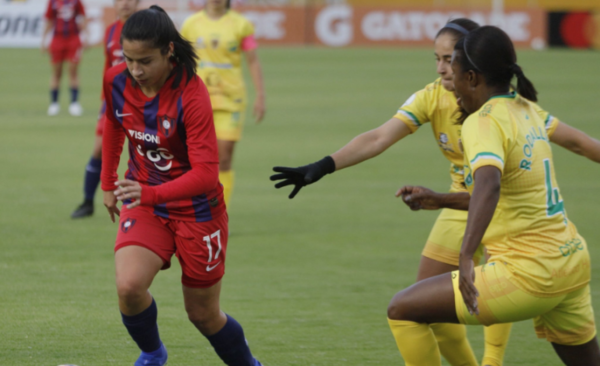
<point x="49" y="24"/>
<point x="576" y="141"/>
<point x="456" y="201"/>
<point x="483" y="202"/>
<point x="363" y="147"/>
<point x="257" y="77"/>
<point x="590" y="148"/>
<point x="112" y="146"/>
<point x="201" y="179"/>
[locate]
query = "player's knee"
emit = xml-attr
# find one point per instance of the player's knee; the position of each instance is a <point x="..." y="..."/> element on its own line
<point x="97" y="152"/>
<point x="202" y="319"/>
<point x="224" y="164"/>
<point x="131" y="292"/>
<point x="399" y="308"/>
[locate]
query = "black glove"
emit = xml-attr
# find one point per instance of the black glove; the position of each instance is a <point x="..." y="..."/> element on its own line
<point x="303" y="175"/>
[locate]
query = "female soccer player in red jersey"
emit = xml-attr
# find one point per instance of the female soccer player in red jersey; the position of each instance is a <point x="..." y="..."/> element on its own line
<point x="172" y="198"/>
<point x="113" y="55"/>
<point x="62" y="16"/>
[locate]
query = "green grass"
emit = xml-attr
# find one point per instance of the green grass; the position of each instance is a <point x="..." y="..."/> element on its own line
<point x="309" y="278"/>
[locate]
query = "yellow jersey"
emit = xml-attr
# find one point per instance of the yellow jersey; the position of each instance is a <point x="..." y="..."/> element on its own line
<point x="530" y="230"/>
<point x="218" y="43"/>
<point x="437" y="105"/>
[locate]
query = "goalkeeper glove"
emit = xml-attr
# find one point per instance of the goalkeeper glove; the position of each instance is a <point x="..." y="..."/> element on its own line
<point x="303" y="175"/>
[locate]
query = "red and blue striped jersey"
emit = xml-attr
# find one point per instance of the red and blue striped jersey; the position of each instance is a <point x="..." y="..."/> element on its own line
<point x="173" y="150"/>
<point x="64" y="13"/>
<point x="113" y="51"/>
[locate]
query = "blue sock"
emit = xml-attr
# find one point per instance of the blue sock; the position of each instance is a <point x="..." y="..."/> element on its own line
<point x="54" y="95"/>
<point x="74" y="94"/>
<point x="143" y="328"/>
<point x="92" y="178"/>
<point x="230" y="344"/>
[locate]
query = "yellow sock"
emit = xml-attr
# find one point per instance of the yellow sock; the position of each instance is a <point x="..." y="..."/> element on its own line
<point x="416" y="343"/>
<point x="496" y="340"/>
<point x="227" y="179"/>
<point x="453" y="343"/>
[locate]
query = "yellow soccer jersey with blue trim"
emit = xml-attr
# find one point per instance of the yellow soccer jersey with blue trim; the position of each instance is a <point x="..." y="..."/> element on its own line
<point x="530" y="230"/>
<point x="438" y="106"/>
<point x="218" y="44"/>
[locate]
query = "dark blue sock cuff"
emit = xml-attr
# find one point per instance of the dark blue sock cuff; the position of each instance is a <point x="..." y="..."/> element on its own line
<point x="228" y="334"/>
<point x="94" y="165"/>
<point x="151" y="313"/>
<point x="74" y="94"/>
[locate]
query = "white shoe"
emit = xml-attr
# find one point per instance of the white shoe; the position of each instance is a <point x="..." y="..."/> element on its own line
<point x="75" y="109"/>
<point x="53" y="109"/>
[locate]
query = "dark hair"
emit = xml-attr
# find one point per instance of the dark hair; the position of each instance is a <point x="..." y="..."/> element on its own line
<point x="228" y="5"/>
<point x="155" y="27"/>
<point x="489" y="51"/>
<point x="458" y="28"/>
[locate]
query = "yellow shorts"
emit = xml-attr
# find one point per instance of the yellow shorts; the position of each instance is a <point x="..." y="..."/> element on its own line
<point x="229" y="125"/>
<point x="567" y="319"/>
<point x="445" y="239"/>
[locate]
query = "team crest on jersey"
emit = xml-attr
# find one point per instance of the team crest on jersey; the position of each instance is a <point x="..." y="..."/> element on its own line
<point x="214" y="43"/>
<point x="127" y="224"/>
<point x="166" y="125"/>
<point x="443" y="142"/>
<point x="443" y="138"/>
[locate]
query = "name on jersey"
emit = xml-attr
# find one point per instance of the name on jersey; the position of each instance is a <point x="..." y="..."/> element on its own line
<point x="532" y="137"/>
<point x="139" y="135"/>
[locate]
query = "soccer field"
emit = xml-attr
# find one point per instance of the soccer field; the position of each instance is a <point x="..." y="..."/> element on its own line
<point x="308" y="278"/>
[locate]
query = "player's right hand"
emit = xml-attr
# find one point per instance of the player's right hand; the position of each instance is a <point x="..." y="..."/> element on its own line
<point x="303" y="175"/>
<point x="419" y="198"/>
<point x="110" y="202"/>
<point x="466" y="285"/>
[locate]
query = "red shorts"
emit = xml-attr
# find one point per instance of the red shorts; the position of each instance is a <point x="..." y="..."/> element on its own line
<point x="65" y="49"/>
<point x="199" y="246"/>
<point x="101" y="117"/>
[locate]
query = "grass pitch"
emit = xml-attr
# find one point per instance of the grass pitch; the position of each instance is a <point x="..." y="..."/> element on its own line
<point x="308" y="278"/>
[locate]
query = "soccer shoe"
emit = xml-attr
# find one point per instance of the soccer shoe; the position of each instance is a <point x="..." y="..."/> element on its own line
<point x="75" y="109"/>
<point x="256" y="363"/>
<point x="53" y="109"/>
<point x="84" y="210"/>
<point x="156" y="358"/>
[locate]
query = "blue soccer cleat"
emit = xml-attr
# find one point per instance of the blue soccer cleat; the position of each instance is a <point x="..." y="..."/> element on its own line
<point x="156" y="358"/>
<point x="256" y="363"/>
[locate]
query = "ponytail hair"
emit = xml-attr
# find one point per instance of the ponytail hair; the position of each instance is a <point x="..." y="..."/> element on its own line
<point x="489" y="51"/>
<point x="155" y="27"/>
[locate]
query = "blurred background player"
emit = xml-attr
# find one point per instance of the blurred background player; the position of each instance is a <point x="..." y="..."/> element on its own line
<point x="539" y="265"/>
<point x="220" y="36"/>
<point x="67" y="19"/>
<point x="172" y="198"/>
<point x="113" y="55"/>
<point x="437" y="104"/>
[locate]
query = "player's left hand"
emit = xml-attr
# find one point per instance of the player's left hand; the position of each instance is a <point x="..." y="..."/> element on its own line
<point x="419" y="198"/>
<point x="259" y="109"/>
<point x="129" y="190"/>
<point x="466" y="284"/>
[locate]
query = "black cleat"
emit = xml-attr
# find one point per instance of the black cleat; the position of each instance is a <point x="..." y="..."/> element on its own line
<point x="84" y="210"/>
